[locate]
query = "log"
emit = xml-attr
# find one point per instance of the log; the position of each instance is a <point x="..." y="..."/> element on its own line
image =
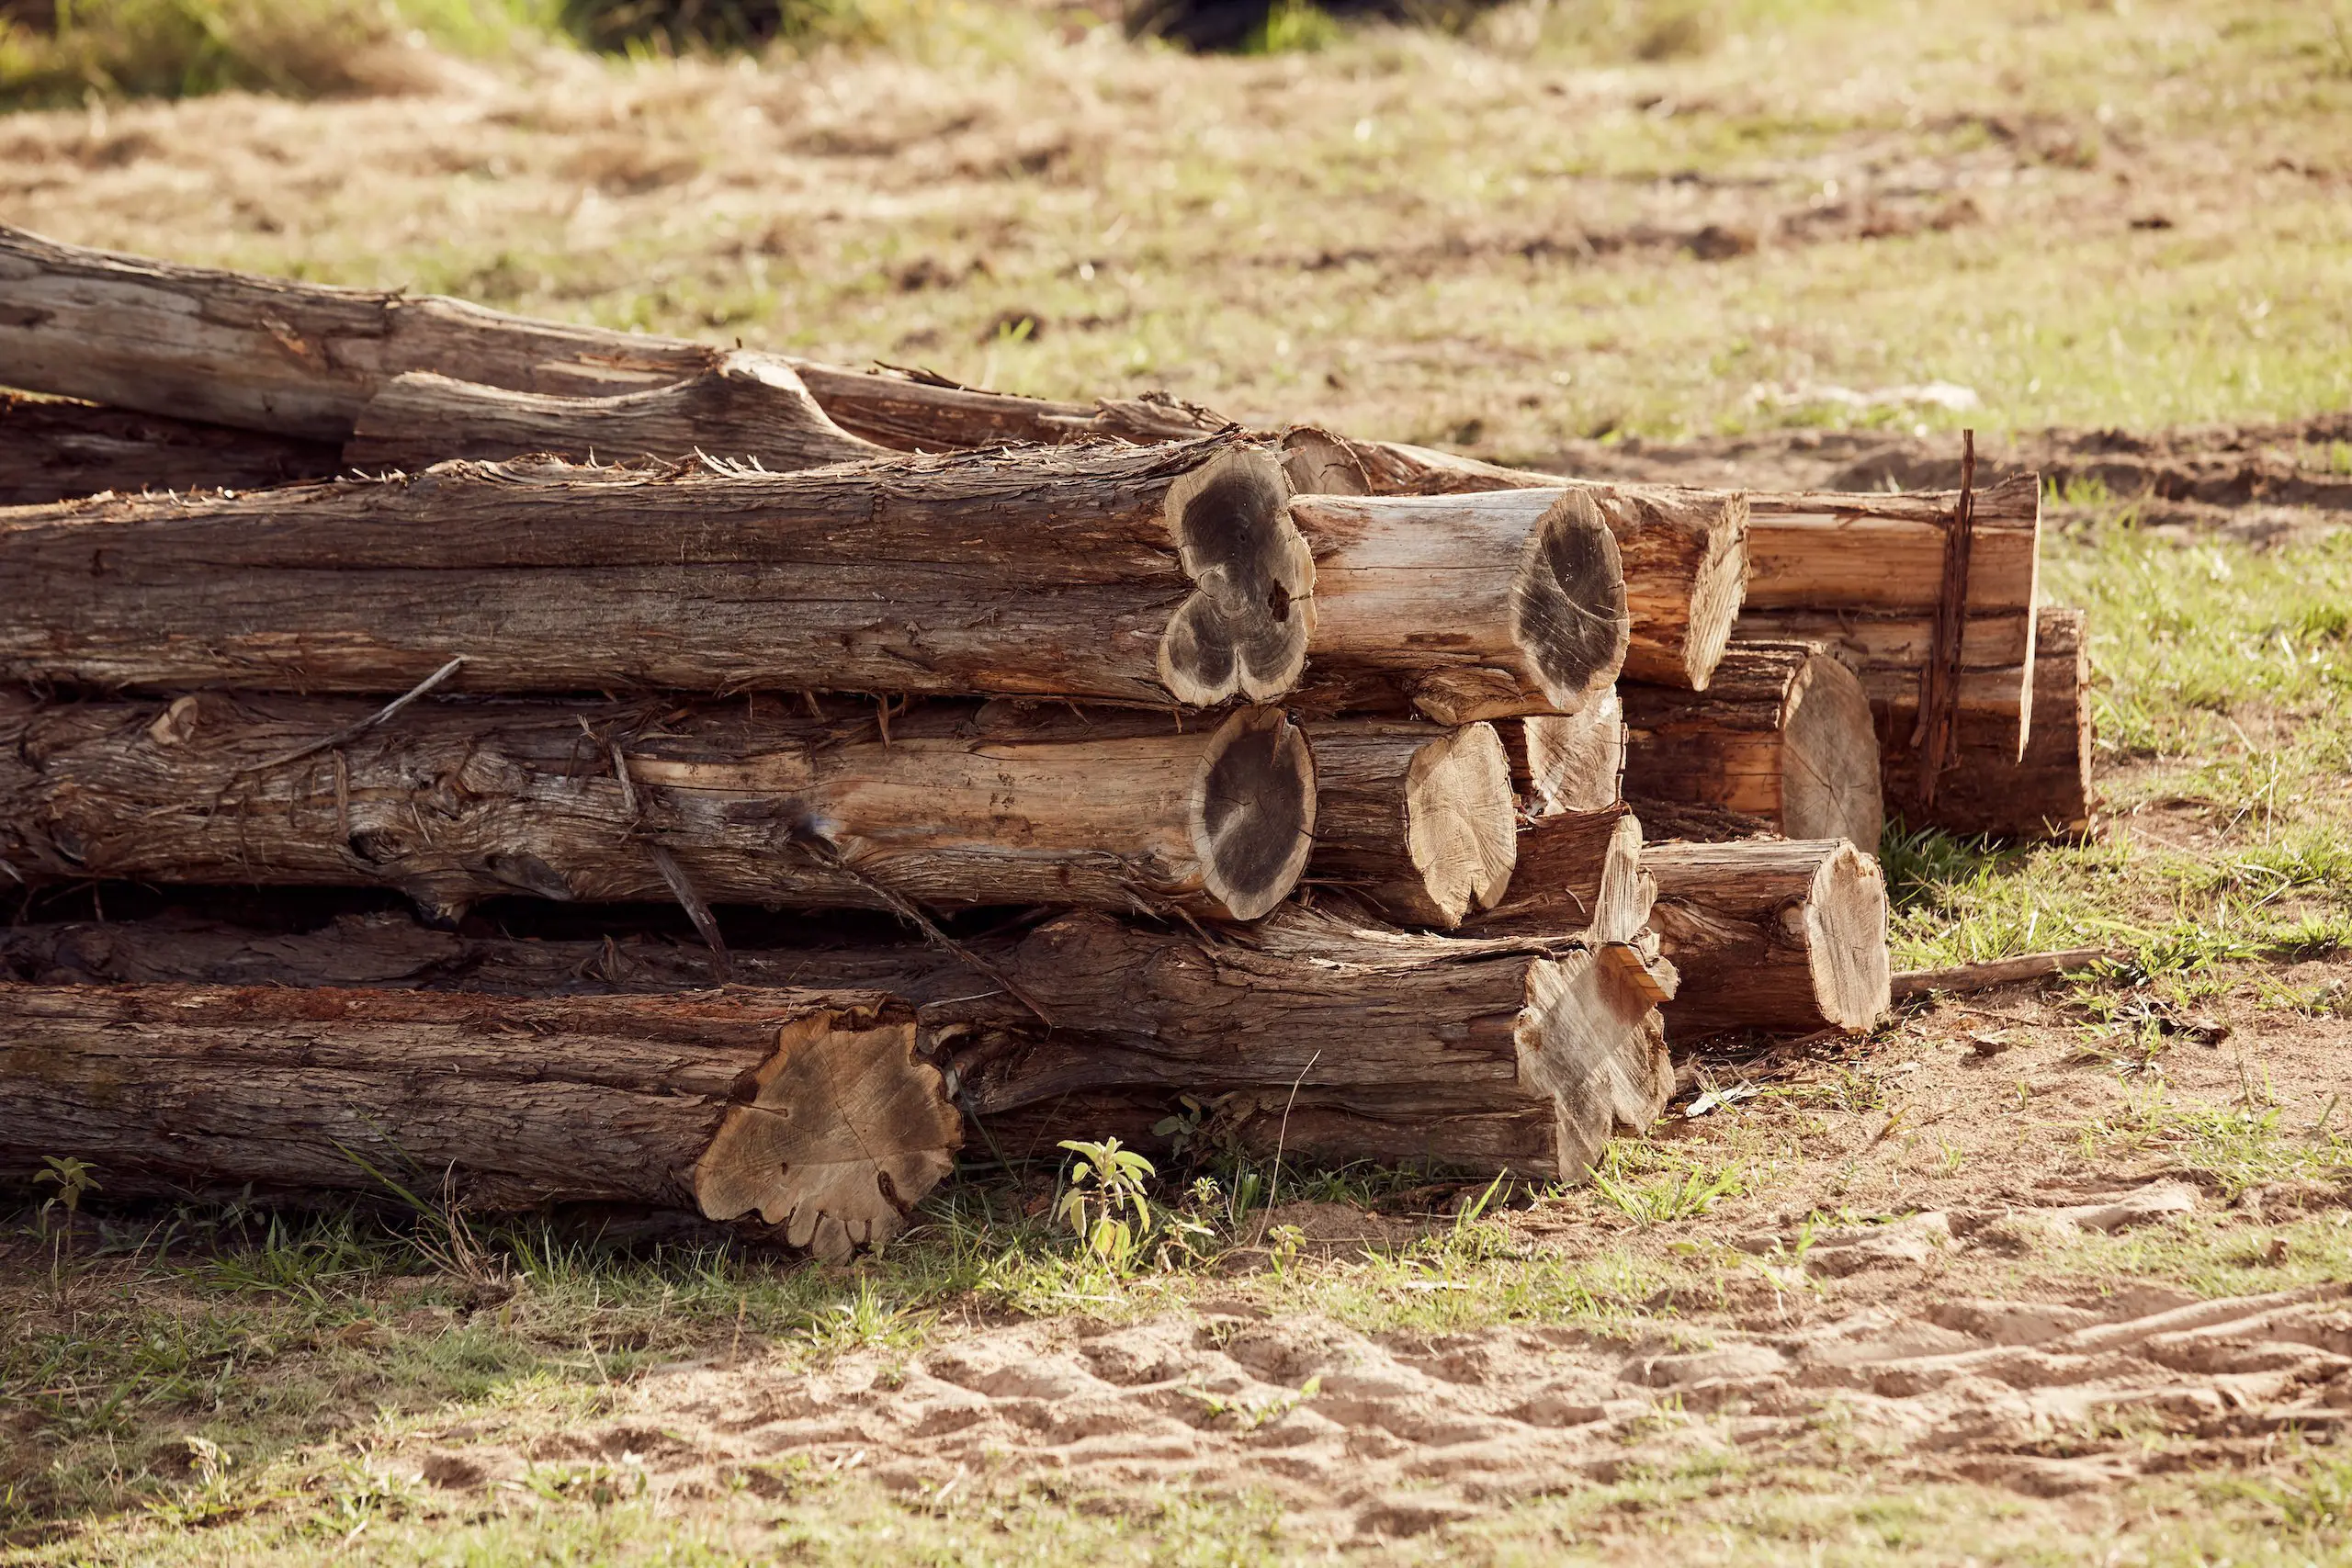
<point x="1861" y="574"/>
<point x="747" y="407"/>
<point x="1685" y="550"/>
<point x="810" y="1109"/>
<point x="1788" y="937"/>
<point x="1569" y="866"/>
<point x="54" y="450"/>
<point x="1785" y="734"/>
<point x="1335" y="1042"/>
<point x="1463" y="607"/>
<point x="456" y="801"/>
<point x="1415" y="819"/>
<point x="1963" y="978"/>
<point x="1146" y="575"/>
<point x="922" y="412"/>
<point x="1569" y="762"/>
<point x="2046" y="794"/>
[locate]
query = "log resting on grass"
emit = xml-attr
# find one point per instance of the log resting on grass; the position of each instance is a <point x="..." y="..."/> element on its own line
<point x="1334" y="1040"/>
<point x="1569" y="762"/>
<point x="808" y="1110"/>
<point x="1461" y="607"/>
<point x="1861" y="574"/>
<point x="1685" y="550"/>
<point x="1785" y="734"/>
<point x="1146" y="575"/>
<point x="455" y="801"/>
<point x="1788" y="937"/>
<point x="2043" y="795"/>
<point x="54" y="450"/>
<point x="1415" y="819"/>
<point x="747" y="407"/>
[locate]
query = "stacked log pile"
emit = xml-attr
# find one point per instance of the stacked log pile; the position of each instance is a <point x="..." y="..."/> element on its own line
<point x="1295" y="777"/>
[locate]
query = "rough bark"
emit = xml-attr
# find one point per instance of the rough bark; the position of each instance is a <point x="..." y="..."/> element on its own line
<point x="1780" y="936"/>
<point x="2046" y="794"/>
<point x="1141" y="575"/>
<point x="1569" y="762"/>
<point x="1861" y="574"/>
<point x="456" y="801"/>
<point x="1341" y="1041"/>
<point x="1685" y="550"/>
<point x="1415" y="819"/>
<point x="747" y="407"/>
<point x="1785" y="734"/>
<point x="1579" y="871"/>
<point x="807" y="1109"/>
<point x="911" y="412"/>
<point x="1461" y="607"/>
<point x="53" y="450"/>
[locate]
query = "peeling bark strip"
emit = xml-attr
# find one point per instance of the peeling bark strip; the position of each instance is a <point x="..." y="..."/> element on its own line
<point x="747" y="407"/>
<point x="455" y="801"/>
<point x="1417" y="819"/>
<point x="1569" y="762"/>
<point x="53" y="451"/>
<point x="2044" y="795"/>
<point x="1523" y="1054"/>
<point x="1461" y="607"/>
<point x="1861" y="574"/>
<point x="1788" y="937"/>
<point x="807" y="1108"/>
<point x="1685" y="550"/>
<point x="1137" y="574"/>
<point x="1783" y="735"/>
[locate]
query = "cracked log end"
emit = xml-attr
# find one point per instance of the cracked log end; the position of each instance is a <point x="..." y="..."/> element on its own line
<point x="1830" y="764"/>
<point x="1253" y="811"/>
<point x="1845" y="939"/>
<point x="1243" y="632"/>
<point x="844" y="1132"/>
<point x="1592" y="1041"/>
<point x="1461" y="827"/>
<point x="1567" y="605"/>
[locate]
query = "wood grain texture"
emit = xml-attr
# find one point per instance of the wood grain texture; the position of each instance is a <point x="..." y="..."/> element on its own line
<point x="1461" y="607"/>
<point x="1145" y="575"/>
<point x="1786" y="735"/>
<point x="453" y="801"/>
<point x="747" y="407"/>
<point x="1569" y="865"/>
<point x="1786" y="937"/>
<point x="54" y="450"/>
<point x="1569" y="762"/>
<point x="2046" y="794"/>
<point x="1416" y="819"/>
<point x="517" y="1102"/>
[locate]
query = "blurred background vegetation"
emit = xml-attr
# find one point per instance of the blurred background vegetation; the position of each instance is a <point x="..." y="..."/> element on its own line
<point x="56" y="53"/>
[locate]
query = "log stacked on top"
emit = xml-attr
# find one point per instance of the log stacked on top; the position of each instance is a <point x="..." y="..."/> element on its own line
<point x="1302" y="765"/>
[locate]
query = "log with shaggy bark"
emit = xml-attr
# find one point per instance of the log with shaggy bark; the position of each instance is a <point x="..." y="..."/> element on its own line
<point x="1461" y="607"/>
<point x="2045" y="794"/>
<point x="52" y="449"/>
<point x="1577" y="871"/>
<point x="808" y="1110"/>
<point x="1685" y="550"/>
<point x="1861" y="574"/>
<point x="1788" y="937"/>
<point x="747" y="407"/>
<point x="1785" y="734"/>
<point x="1415" y="819"/>
<point x="1330" y="1038"/>
<point x="1149" y="575"/>
<point x="456" y="801"/>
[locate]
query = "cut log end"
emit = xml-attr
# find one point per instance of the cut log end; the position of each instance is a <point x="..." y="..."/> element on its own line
<point x="1829" y="763"/>
<point x="1244" y="630"/>
<point x="1717" y="590"/>
<point x="1572" y="761"/>
<point x="1569" y="609"/>
<point x="845" y="1131"/>
<point x="1319" y="462"/>
<point x="1253" y="812"/>
<point x="1593" y="1041"/>
<point x="1845" y="921"/>
<point x="1459" y="825"/>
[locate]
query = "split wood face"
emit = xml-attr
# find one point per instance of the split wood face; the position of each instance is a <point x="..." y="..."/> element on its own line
<point x="1252" y="812"/>
<point x="1244" y="630"/>
<point x="844" y="1133"/>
